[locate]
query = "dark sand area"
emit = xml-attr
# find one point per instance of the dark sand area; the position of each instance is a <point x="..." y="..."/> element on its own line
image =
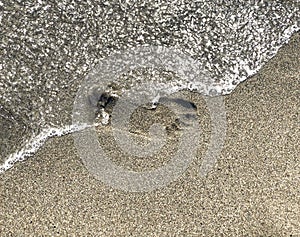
<point x="253" y="191"/>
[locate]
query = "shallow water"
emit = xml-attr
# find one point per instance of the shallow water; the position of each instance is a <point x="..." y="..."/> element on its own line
<point x="48" y="49"/>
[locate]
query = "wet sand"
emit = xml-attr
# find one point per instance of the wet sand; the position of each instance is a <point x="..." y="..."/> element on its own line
<point x="253" y="191"/>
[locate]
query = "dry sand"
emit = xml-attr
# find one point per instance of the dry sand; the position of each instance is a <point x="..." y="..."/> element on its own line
<point x="253" y="191"/>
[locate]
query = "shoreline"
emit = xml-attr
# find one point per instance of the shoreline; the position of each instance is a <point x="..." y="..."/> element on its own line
<point x="253" y="190"/>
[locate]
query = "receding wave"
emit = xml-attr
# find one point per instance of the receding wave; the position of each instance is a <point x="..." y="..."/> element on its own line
<point x="48" y="49"/>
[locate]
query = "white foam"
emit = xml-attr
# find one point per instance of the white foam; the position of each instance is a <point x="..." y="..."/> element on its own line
<point x="33" y="145"/>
